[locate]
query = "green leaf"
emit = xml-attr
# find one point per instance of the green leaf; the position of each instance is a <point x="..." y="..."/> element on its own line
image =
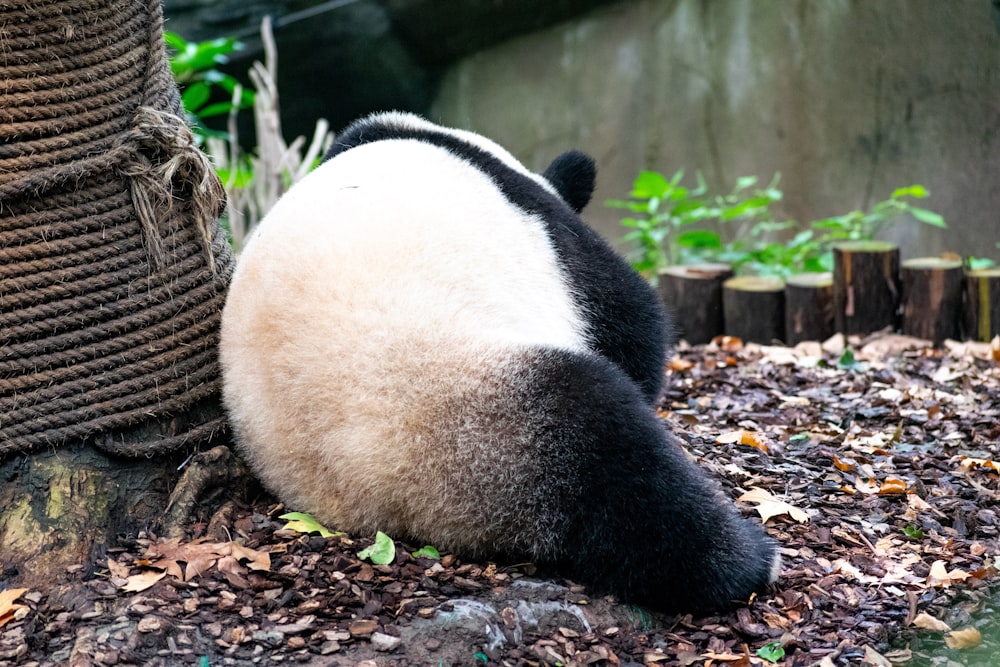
<point x="744" y="182"/>
<point x="426" y="551"/>
<point x="772" y="652"/>
<point x="382" y="552"/>
<point x="699" y="239"/>
<point x="838" y="222"/>
<point x="846" y="360"/>
<point x="174" y="41"/>
<point x="217" y="109"/>
<point x="930" y="217"/>
<point x="913" y="532"/>
<point x="194" y="96"/>
<point x="975" y="263"/>
<point x="917" y="191"/>
<point x="304" y="523"/>
<point x="637" y="206"/>
<point x="649" y="184"/>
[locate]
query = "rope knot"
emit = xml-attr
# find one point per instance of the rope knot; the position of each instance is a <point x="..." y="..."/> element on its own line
<point x="163" y="166"/>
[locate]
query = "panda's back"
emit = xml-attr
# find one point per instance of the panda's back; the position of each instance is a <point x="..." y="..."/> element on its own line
<point x="397" y="235"/>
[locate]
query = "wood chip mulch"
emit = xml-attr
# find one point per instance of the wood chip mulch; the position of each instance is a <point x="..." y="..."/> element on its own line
<point x="878" y="475"/>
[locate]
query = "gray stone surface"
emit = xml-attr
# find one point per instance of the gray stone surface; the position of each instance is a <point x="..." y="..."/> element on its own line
<point x="847" y="99"/>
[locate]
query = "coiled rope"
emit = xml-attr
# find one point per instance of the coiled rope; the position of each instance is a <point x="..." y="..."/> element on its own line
<point x="113" y="268"/>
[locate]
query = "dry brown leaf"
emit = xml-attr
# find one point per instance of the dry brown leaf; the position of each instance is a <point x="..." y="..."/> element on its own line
<point x="256" y="560"/>
<point x="7" y="607"/>
<point x="964" y="638"/>
<point x="892" y="486"/>
<point x="967" y="463"/>
<point x="199" y="556"/>
<point x="743" y="437"/>
<point x="143" y="580"/>
<point x="9" y="596"/>
<point x="679" y="364"/>
<point x="875" y="658"/>
<point x="844" y="466"/>
<point x="925" y="621"/>
<point x="728" y="343"/>
<point x="995" y="349"/>
<point x="917" y="503"/>
<point x="866" y="485"/>
<point x="940" y="576"/>
<point x="117" y="569"/>
<point x="768" y="506"/>
<point x="199" y="563"/>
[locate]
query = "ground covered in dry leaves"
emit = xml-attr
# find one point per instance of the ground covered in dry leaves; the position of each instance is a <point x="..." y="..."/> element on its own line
<point x="878" y="475"/>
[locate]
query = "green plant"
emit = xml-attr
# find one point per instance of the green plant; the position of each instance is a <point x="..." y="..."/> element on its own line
<point x="665" y="208"/>
<point x="253" y="180"/>
<point x="772" y="652"/>
<point x="974" y="263"/>
<point x="303" y="523"/>
<point x="205" y="90"/>
<point x="382" y="552"/>
<point x="759" y="255"/>
<point x="427" y="551"/>
<point x="860" y="226"/>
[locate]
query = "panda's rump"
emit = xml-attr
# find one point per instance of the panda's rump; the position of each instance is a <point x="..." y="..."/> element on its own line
<point x="365" y="336"/>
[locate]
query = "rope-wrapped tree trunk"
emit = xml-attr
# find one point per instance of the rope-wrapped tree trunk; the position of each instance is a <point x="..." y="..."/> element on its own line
<point x="113" y="271"/>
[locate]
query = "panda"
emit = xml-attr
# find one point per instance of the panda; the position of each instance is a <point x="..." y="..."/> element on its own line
<point x="423" y="338"/>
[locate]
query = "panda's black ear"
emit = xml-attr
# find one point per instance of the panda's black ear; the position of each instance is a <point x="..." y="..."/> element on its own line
<point x="573" y="175"/>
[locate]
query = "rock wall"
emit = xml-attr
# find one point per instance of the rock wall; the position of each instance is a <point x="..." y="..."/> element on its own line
<point x="848" y="99"/>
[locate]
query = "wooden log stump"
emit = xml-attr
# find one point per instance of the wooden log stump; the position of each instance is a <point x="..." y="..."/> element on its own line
<point x="693" y="294"/>
<point x="866" y="290"/>
<point x="932" y="298"/>
<point x="754" y="308"/>
<point x="982" y="304"/>
<point x="808" y="307"/>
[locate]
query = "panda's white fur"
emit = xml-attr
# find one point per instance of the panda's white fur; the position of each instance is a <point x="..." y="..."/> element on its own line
<point x="408" y="346"/>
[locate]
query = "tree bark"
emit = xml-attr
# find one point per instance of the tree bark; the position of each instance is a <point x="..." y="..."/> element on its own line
<point x="693" y="294"/>
<point x="982" y="304"/>
<point x="64" y="508"/>
<point x="755" y="308"/>
<point x="808" y="307"/>
<point x="866" y="290"/>
<point x="932" y="298"/>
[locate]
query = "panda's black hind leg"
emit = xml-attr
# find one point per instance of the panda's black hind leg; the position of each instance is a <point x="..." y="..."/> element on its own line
<point x="640" y="519"/>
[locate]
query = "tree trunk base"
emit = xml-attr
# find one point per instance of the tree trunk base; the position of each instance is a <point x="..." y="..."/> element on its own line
<point x="63" y="509"/>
